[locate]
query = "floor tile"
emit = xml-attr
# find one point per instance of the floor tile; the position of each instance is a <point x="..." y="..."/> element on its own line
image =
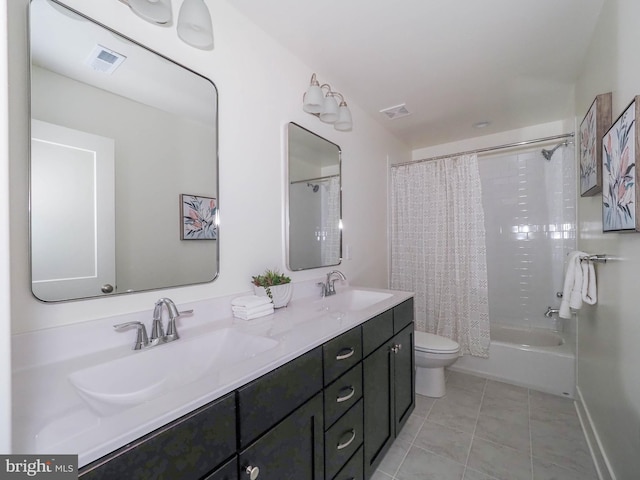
<point x="465" y="381"/>
<point x="548" y="471"/>
<point x="394" y="457"/>
<point x="540" y="401"/>
<point x="470" y="474"/>
<point x="410" y="429"/>
<point x="444" y="441"/>
<point x="457" y="409"/>
<point x="499" y="461"/>
<point x="501" y="390"/>
<point x="423" y="405"/>
<point x="422" y="465"/>
<point x="378" y="475"/>
<point x="560" y="444"/>
<point x="509" y="431"/>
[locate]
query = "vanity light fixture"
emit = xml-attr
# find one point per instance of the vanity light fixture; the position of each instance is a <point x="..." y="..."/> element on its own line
<point x="194" y="20"/>
<point x="324" y="105"/>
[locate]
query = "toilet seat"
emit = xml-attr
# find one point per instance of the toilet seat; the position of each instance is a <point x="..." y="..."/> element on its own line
<point x="430" y="343"/>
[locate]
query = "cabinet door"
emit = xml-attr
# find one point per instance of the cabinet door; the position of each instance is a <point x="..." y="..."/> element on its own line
<point x="378" y="394"/>
<point x="404" y="378"/>
<point x="292" y="450"/>
<point x="229" y="471"/>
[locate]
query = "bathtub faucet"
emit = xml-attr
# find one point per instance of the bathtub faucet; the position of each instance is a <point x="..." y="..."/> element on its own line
<point x="551" y="311"/>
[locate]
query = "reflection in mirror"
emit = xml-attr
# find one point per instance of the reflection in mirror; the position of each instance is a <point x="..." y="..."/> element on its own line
<point x="118" y="134"/>
<point x="314" y="200"/>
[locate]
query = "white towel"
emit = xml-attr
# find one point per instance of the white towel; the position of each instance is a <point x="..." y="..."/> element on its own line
<point x="572" y="291"/>
<point x="589" y="289"/>
<point x="251" y="316"/>
<point x="250" y="301"/>
<point x="253" y="310"/>
<point x="579" y="284"/>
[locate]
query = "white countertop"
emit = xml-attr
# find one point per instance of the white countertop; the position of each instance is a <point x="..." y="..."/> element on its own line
<point x="51" y="418"/>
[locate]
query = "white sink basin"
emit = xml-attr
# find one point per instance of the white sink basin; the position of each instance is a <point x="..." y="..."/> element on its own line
<point x="354" y="300"/>
<point x="143" y="375"/>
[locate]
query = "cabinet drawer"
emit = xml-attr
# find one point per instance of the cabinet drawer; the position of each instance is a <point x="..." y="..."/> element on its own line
<point x="342" y="395"/>
<point x="402" y="315"/>
<point x="188" y="448"/>
<point x="229" y="471"/>
<point x="343" y="439"/>
<point x="268" y="399"/>
<point x="376" y="331"/>
<point x="354" y="469"/>
<point x="342" y="353"/>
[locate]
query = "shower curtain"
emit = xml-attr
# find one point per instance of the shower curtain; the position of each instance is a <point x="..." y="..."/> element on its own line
<point x="438" y="248"/>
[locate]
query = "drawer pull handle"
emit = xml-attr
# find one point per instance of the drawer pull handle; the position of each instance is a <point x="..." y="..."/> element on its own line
<point x="253" y="472"/>
<point x="396" y="348"/>
<point x="348" y="442"/>
<point x="343" y="356"/>
<point x="347" y="396"/>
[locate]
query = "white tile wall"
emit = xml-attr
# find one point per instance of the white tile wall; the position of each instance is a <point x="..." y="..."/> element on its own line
<point x="529" y="207"/>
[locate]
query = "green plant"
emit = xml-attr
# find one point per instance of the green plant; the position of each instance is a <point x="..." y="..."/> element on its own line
<point x="270" y="278"/>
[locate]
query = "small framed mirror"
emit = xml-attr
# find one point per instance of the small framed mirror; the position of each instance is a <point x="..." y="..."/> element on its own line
<point x="124" y="169"/>
<point x="314" y="200"/>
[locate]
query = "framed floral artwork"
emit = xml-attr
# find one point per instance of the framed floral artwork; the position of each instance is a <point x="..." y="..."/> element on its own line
<point x="619" y="173"/>
<point x="592" y="129"/>
<point x="198" y="218"/>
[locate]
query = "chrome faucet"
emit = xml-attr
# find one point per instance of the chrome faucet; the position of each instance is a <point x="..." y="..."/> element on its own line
<point x="158" y="335"/>
<point x="551" y="311"/>
<point x="328" y="287"/>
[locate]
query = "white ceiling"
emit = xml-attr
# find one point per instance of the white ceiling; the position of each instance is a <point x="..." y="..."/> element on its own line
<point x="453" y="62"/>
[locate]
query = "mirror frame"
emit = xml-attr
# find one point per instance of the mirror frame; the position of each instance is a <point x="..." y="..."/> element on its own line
<point x="288" y="202"/>
<point x="214" y="155"/>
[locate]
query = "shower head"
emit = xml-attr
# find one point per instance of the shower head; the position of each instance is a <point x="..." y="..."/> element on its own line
<point x="314" y="185"/>
<point x="547" y="154"/>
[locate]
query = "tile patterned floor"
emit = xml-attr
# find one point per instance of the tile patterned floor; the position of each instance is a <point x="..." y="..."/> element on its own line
<point x="487" y="430"/>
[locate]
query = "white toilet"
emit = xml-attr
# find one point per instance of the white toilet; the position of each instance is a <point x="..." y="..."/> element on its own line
<point x="433" y="353"/>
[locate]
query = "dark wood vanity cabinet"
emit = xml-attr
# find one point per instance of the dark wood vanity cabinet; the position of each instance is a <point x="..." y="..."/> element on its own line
<point x="189" y="448"/>
<point x="388" y="386"/>
<point x="330" y="414"/>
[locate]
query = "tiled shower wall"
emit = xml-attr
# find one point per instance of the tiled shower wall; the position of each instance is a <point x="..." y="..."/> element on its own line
<point x="530" y="222"/>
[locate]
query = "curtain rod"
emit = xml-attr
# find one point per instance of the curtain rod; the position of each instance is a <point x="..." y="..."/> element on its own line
<point x="317" y="179"/>
<point x="488" y="149"/>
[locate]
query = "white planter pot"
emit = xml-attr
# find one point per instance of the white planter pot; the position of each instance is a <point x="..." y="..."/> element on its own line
<point x="280" y="294"/>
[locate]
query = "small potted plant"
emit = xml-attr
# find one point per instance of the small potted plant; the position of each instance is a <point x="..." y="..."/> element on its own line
<point x="275" y="285"/>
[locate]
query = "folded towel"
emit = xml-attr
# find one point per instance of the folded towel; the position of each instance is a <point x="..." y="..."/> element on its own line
<point x="244" y="316"/>
<point x="589" y="289"/>
<point x="250" y="301"/>
<point x="572" y="291"/>
<point x="253" y="310"/>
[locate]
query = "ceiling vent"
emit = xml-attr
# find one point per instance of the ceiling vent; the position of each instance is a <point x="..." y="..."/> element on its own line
<point x="396" y="112"/>
<point x="104" y="60"/>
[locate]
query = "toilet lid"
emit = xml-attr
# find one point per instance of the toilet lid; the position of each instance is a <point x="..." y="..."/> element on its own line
<point x="428" y="342"/>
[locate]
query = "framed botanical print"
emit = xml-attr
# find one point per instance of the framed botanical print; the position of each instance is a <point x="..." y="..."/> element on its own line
<point x="592" y="129"/>
<point x="620" y="210"/>
<point x="198" y="218"/>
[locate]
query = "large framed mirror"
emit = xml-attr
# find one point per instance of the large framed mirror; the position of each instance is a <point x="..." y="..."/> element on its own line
<point x="124" y="169"/>
<point x="314" y="203"/>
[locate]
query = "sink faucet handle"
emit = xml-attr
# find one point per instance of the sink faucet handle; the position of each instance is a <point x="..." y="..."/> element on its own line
<point x="141" y="338"/>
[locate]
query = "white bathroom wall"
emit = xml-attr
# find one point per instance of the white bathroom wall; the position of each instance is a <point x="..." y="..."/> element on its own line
<point x="260" y="88"/>
<point x="5" y="254"/>
<point x="609" y="333"/>
<point x="530" y="223"/>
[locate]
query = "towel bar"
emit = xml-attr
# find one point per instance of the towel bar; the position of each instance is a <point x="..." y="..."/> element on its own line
<point x="599" y="258"/>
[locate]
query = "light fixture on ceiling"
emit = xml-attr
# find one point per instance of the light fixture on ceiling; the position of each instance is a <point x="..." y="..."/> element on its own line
<point x="324" y="105"/>
<point x="194" y="20"/>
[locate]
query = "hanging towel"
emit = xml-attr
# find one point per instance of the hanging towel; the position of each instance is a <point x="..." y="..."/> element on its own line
<point x="572" y="291"/>
<point x="589" y="289"/>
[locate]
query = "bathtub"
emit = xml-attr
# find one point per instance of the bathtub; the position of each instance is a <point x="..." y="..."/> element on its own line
<point x="537" y="359"/>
